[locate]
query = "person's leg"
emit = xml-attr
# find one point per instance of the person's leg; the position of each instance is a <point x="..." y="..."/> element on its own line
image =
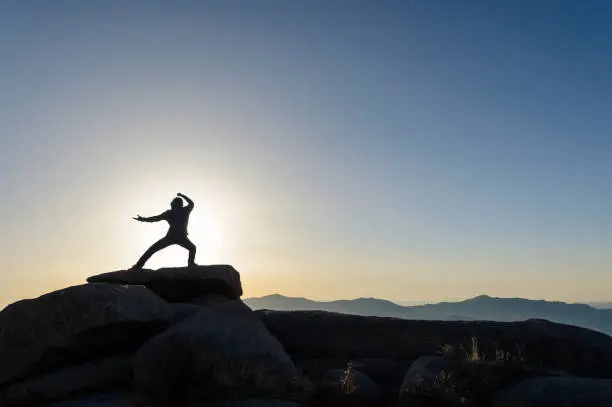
<point x="187" y="244"/>
<point x="157" y="246"/>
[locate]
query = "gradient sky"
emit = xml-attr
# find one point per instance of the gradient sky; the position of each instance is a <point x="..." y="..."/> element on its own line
<point x="408" y="150"/>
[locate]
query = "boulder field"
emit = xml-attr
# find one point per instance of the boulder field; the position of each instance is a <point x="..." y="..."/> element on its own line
<point x="182" y="337"/>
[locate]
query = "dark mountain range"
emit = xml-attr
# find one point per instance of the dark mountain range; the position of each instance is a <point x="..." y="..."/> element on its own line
<point x="478" y="308"/>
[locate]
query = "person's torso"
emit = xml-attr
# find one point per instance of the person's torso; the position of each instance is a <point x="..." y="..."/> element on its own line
<point x="178" y="220"/>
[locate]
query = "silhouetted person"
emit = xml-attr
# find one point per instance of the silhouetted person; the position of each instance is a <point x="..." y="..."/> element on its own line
<point x="178" y="217"/>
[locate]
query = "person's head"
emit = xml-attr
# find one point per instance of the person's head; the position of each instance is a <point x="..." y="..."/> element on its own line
<point x="176" y="203"/>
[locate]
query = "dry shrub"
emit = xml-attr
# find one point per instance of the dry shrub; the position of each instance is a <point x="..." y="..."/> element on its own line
<point x="472" y="378"/>
<point x="330" y="390"/>
<point x="347" y="382"/>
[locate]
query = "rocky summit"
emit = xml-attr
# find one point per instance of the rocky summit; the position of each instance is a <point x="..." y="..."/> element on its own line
<point x="177" y="284"/>
<point x="182" y="337"/>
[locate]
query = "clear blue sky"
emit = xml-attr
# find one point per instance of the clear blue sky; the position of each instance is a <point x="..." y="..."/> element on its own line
<point x="411" y="150"/>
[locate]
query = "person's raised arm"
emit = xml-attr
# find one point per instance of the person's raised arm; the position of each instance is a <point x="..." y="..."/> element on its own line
<point x="190" y="203"/>
<point x="155" y="218"/>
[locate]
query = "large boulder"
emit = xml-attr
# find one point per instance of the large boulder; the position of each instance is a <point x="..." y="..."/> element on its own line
<point x="424" y="372"/>
<point x="180" y="311"/>
<point x="221" y="349"/>
<point x="88" y="377"/>
<point x="180" y="284"/>
<point x="425" y="384"/>
<point x="76" y="324"/>
<point x="383" y="370"/>
<point x="552" y="346"/>
<point x="386" y="372"/>
<point x="556" y="392"/>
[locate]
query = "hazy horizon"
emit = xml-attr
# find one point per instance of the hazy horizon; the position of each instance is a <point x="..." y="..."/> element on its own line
<point x="407" y="303"/>
<point x="411" y="151"/>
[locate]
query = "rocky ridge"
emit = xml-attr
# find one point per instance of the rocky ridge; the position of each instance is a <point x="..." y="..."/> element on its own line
<point x="182" y="337"/>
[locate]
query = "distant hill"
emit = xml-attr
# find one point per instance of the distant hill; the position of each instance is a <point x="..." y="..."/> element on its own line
<point x="601" y="304"/>
<point x="478" y="308"/>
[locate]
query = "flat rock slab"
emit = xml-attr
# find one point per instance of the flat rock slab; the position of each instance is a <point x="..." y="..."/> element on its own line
<point x="178" y="284"/>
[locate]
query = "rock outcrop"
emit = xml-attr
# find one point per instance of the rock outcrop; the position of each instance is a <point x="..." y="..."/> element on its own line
<point x="76" y="324"/>
<point x="212" y="346"/>
<point x="182" y="338"/>
<point x="551" y="346"/>
<point x="180" y="284"/>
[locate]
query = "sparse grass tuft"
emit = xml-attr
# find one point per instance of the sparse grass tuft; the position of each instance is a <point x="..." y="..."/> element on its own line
<point x="473" y="377"/>
<point x="347" y="382"/>
<point x="333" y="390"/>
<point x="473" y="354"/>
<point x="446" y="350"/>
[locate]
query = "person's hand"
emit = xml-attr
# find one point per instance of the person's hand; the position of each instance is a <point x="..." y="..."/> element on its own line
<point x="139" y="218"/>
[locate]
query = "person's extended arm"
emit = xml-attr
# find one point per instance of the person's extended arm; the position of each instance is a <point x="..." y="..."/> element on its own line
<point x="155" y="218"/>
<point x="190" y="203"/>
